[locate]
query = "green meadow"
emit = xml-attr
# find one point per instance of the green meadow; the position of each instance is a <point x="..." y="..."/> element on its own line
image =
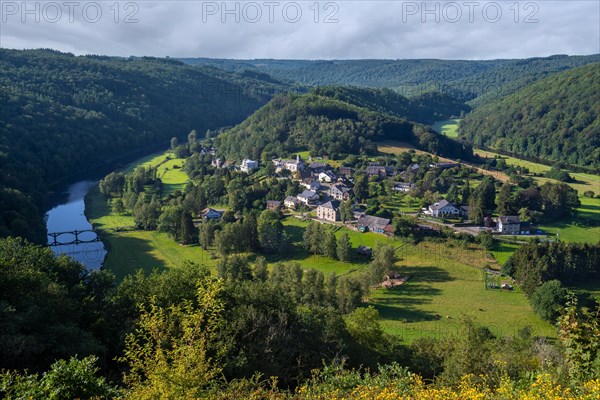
<point x="447" y="127"/>
<point x="443" y="289"/>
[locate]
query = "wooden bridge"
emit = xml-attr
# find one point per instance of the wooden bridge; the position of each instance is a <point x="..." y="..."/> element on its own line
<point x="72" y="237"/>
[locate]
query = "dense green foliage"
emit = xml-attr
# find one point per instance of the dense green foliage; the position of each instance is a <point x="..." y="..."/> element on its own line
<point x="426" y="108"/>
<point x="50" y="307"/>
<point x="557" y="119"/>
<point x="325" y="126"/>
<point x="479" y="81"/>
<point x="184" y="333"/>
<point x="63" y="115"/>
<point x="535" y="263"/>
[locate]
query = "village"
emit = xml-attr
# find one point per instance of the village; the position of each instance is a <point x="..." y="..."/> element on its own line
<point x="328" y="196"/>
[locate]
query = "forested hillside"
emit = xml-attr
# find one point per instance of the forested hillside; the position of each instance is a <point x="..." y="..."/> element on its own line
<point x="426" y="108"/>
<point x="556" y="119"/>
<point x="478" y="81"/>
<point x="325" y="126"/>
<point x="61" y="114"/>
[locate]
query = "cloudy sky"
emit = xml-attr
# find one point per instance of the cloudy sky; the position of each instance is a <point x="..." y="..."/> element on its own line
<point x="311" y="29"/>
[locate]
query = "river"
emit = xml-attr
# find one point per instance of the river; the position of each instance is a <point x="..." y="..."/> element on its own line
<point x="66" y="215"/>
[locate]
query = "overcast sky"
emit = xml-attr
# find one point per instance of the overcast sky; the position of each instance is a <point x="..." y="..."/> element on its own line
<point x="306" y="29"/>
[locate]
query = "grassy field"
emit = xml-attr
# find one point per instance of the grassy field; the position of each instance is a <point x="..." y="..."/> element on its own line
<point x="294" y="228"/>
<point x="444" y="280"/>
<point x="584" y="227"/>
<point x="502" y="250"/>
<point x="447" y="127"/>
<point x="133" y="250"/>
<point x="583" y="182"/>
<point x="442" y="289"/>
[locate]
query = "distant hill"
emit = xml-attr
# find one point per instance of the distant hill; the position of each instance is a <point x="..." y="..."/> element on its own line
<point x="556" y="119"/>
<point x="325" y="126"/>
<point x="61" y="114"/>
<point x="477" y="81"/>
<point x="426" y="108"/>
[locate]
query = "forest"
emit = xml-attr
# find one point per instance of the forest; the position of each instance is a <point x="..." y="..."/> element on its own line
<point x="556" y="119"/>
<point x="477" y="81"/>
<point x="287" y="333"/>
<point x="63" y="115"/>
<point x="326" y="126"/>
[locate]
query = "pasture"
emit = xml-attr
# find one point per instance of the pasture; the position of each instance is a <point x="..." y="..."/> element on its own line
<point x="129" y="251"/>
<point x="448" y="127"/>
<point x="442" y="290"/>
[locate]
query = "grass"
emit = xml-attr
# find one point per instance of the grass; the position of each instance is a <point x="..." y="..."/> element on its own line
<point x="172" y="175"/>
<point x="445" y="280"/>
<point x="447" y="127"/>
<point x="584" y="227"/>
<point x="502" y="250"/>
<point x="129" y="251"/>
<point x="441" y="291"/>
<point x="583" y="182"/>
<point x="294" y="228"/>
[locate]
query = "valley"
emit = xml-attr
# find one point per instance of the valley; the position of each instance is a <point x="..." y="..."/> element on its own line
<point x="315" y="228"/>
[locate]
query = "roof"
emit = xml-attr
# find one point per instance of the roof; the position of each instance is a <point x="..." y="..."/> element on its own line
<point x="441" y="204"/>
<point x="509" y="219"/>
<point x="314" y="165"/>
<point x="333" y="204"/>
<point x="308" y="194"/>
<point x="273" y="203"/>
<point x="341" y="188"/>
<point x="369" y="220"/>
<point x="375" y="169"/>
<point x="290" y="198"/>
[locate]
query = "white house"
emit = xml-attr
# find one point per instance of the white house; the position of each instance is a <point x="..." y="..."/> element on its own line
<point x="329" y="211"/>
<point x="290" y="202"/>
<point x="509" y="225"/>
<point x="307" y="197"/>
<point x="327" y="176"/>
<point x="291" y="165"/>
<point x="403" y="186"/>
<point x="443" y="209"/>
<point x="248" y="165"/>
<point x="211" y="213"/>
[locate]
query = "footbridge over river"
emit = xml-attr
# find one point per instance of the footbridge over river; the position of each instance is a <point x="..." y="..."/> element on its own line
<point x="72" y="237"/>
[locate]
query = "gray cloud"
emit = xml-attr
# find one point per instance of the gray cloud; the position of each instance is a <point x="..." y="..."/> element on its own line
<point x="307" y="29"/>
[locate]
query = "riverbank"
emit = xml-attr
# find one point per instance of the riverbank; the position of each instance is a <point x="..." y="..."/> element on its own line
<point x="132" y="250"/>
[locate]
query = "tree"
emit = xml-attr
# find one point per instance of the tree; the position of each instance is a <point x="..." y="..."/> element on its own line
<point x="171" y="352"/>
<point x="504" y="200"/>
<point x="346" y="211"/>
<point x="384" y="258"/>
<point x="234" y="268"/>
<point x="270" y="232"/>
<point x="344" y="247"/>
<point x="558" y="200"/>
<point x="174" y="143"/>
<point x="188" y="232"/>
<point x="206" y="234"/>
<point x="192" y="137"/>
<point x="112" y="185"/>
<point x="548" y="300"/>
<point x="260" y="271"/>
<point x="72" y="379"/>
<point x="476" y="211"/>
<point x="363" y="325"/>
<point x="349" y="295"/>
<point x="118" y="207"/>
<point x="466" y="192"/>
<point x="486" y="239"/>
<point x="453" y="194"/>
<point x="330" y="244"/>
<point x="361" y="187"/>
<point x="579" y="332"/>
